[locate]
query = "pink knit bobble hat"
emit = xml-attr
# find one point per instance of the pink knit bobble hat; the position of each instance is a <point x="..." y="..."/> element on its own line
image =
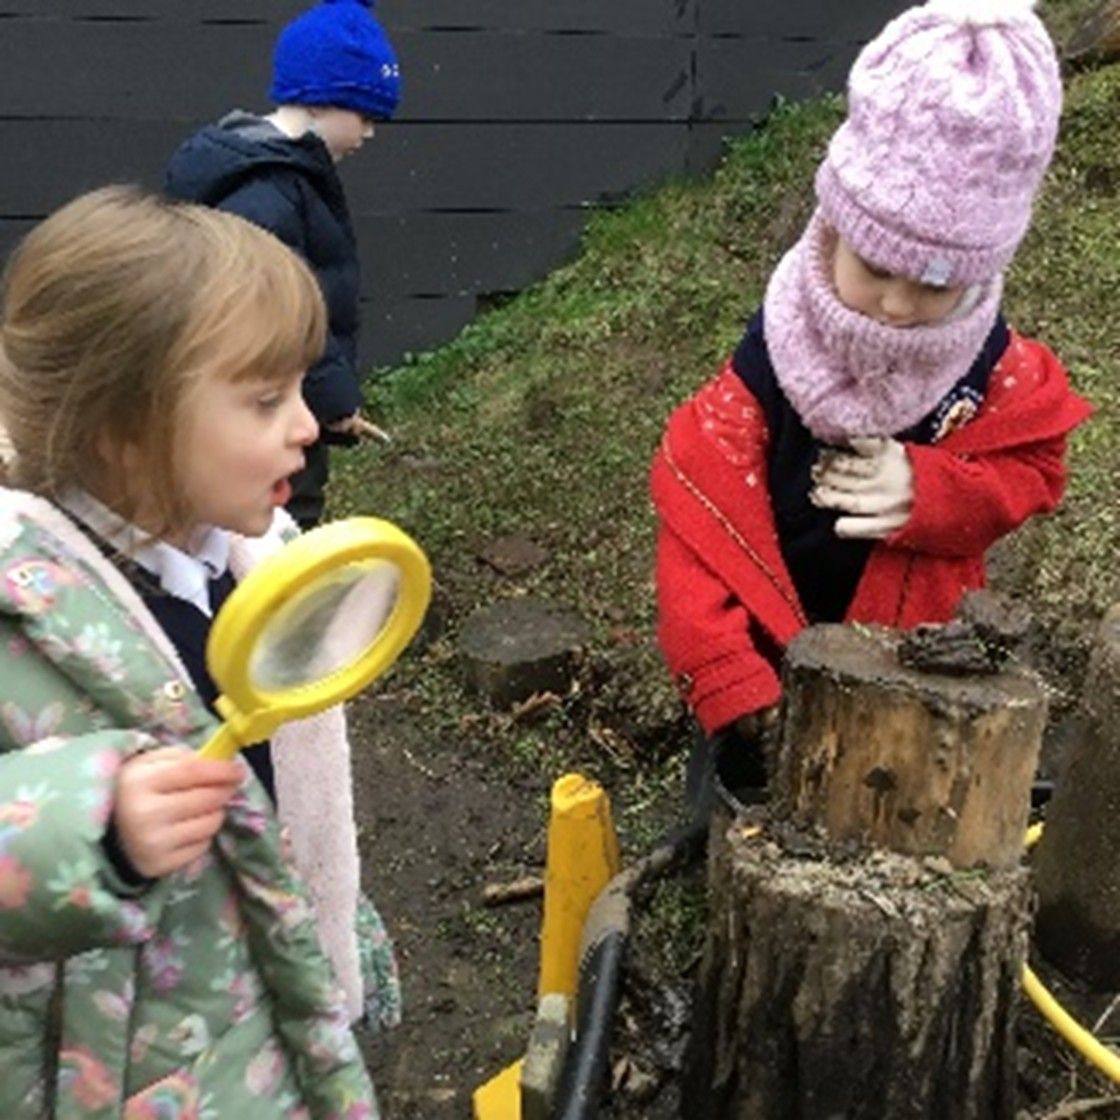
<point x="952" y="116"/>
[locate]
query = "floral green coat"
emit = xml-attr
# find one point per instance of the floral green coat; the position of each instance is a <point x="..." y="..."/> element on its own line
<point x="203" y="997"/>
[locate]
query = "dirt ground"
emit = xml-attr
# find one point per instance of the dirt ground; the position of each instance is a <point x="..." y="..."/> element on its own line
<point x="441" y="815"/>
<point x="437" y="823"/>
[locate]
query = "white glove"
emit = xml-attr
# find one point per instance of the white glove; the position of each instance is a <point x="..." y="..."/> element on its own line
<point x="873" y="482"/>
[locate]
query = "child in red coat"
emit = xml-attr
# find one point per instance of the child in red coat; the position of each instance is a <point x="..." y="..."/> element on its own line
<point x="879" y="426"/>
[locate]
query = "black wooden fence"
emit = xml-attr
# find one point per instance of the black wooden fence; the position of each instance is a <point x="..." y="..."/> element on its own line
<point x="518" y="116"/>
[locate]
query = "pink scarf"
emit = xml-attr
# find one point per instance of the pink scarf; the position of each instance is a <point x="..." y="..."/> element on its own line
<point x="846" y="374"/>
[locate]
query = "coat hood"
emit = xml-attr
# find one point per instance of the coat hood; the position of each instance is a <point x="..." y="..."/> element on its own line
<point x="216" y="160"/>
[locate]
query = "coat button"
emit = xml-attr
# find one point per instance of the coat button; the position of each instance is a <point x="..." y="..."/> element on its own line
<point x="174" y="690"/>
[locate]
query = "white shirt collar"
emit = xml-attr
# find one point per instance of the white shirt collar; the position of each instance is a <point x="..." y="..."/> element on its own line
<point x="186" y="574"/>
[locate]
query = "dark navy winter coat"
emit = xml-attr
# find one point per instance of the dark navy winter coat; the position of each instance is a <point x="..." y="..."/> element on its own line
<point x="245" y="166"/>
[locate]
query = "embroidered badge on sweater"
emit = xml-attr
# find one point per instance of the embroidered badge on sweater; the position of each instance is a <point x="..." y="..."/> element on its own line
<point x="956" y="410"/>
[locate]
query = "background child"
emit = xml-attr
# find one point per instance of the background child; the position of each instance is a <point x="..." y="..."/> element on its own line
<point x="879" y="425"/>
<point x="155" y="948"/>
<point x="334" y="75"/>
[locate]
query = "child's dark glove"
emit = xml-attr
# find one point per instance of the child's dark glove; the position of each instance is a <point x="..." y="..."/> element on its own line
<point x="754" y="724"/>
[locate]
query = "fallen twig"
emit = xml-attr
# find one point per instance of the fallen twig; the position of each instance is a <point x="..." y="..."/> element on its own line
<point x="519" y="890"/>
<point x="1084" y="1107"/>
<point x="535" y="707"/>
<point x="412" y="760"/>
<point x="1105" y="1016"/>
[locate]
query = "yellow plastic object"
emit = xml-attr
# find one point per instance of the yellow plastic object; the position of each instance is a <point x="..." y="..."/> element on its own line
<point x="1085" y="1043"/>
<point x="314" y="581"/>
<point x="500" y="1097"/>
<point x="582" y="859"/>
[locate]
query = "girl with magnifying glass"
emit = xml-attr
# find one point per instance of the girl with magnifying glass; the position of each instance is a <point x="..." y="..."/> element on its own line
<point x="154" y="943"/>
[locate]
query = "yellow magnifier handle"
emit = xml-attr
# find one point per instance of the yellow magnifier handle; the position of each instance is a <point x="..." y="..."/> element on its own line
<point x="223" y="744"/>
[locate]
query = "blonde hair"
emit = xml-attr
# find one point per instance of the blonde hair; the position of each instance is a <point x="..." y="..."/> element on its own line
<point x="114" y="307"/>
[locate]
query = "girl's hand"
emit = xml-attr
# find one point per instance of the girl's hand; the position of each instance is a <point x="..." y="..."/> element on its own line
<point x="873" y="484"/>
<point x="754" y="724"/>
<point x="170" y="804"/>
<point x="359" y="427"/>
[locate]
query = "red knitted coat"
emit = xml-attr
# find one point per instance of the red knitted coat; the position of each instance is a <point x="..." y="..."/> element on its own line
<point x="726" y="603"/>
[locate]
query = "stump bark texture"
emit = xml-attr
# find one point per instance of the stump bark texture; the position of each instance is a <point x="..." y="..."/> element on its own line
<point x="1077" y="869"/>
<point x="517" y="647"/>
<point x="867" y="929"/>
<point x="1097" y="38"/>
<point x="869" y="989"/>
<point x="921" y="763"/>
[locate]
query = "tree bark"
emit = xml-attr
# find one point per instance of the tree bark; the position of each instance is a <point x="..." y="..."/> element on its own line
<point x="517" y="647"/>
<point x="867" y="929"/>
<point x="1077" y="870"/>
<point x="874" y="989"/>
<point x="1097" y="38"/>
<point x="922" y="763"/>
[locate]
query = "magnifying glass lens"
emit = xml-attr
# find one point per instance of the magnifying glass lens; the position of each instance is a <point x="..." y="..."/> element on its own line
<point x="326" y="626"/>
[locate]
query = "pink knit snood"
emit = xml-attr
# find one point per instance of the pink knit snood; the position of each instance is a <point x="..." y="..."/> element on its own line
<point x="846" y="374"/>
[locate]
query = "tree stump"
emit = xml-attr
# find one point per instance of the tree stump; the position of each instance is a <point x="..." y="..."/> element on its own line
<point x="843" y="981"/>
<point x="1077" y="871"/>
<point x="922" y="763"/>
<point x="874" y="988"/>
<point x="516" y="647"/>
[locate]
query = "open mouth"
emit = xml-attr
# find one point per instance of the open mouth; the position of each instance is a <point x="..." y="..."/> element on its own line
<point x="281" y="492"/>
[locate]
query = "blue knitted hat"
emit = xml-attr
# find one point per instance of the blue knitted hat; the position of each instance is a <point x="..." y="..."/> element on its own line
<point x="337" y="54"/>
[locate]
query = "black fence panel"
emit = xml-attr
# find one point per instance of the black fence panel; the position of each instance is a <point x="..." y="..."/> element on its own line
<point x="518" y="117"/>
<point x="510" y="165"/>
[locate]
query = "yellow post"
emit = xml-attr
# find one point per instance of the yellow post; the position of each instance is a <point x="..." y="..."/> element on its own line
<point x="582" y="859"/>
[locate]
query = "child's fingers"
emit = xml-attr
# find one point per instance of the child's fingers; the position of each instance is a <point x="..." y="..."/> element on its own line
<point x="869" y="504"/>
<point x="160" y="841"/>
<point x="827" y="497"/>
<point x="845" y="500"/>
<point x="846" y="466"/>
<point x="753" y="724"/>
<point x="193" y="832"/>
<point x="856" y="528"/>
<point x="175" y="768"/>
<point x="853" y="482"/>
<point x="198" y="801"/>
<point x="160" y="756"/>
<point x="869" y="528"/>
<point x="868" y="446"/>
<point x="172" y="858"/>
<point x="184" y="857"/>
<point x="371" y="431"/>
<point x="358" y="425"/>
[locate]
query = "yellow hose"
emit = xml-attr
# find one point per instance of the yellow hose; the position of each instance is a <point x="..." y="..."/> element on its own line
<point x="1085" y="1043"/>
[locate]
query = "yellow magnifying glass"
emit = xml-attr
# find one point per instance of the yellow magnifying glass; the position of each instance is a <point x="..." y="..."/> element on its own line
<point x="312" y="625"/>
